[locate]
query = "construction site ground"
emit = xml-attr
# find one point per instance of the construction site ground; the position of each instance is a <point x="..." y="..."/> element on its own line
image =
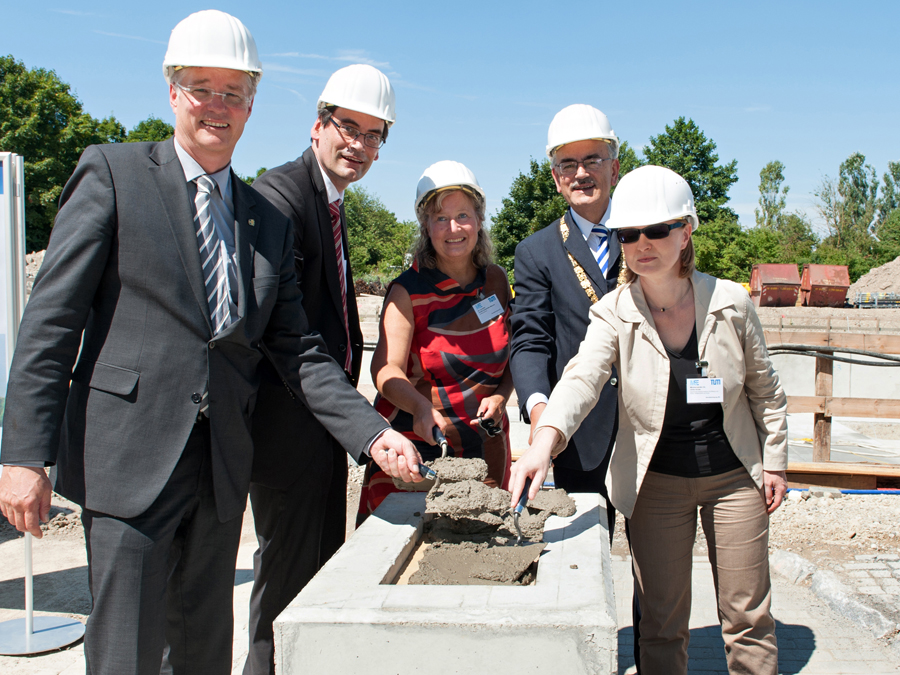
<point x="835" y="559"/>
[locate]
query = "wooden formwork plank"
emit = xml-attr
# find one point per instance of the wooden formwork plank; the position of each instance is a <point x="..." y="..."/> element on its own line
<point x="844" y="407"/>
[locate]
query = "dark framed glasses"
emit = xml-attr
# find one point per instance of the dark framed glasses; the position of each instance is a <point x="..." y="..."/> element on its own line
<point x="350" y="134"/>
<point x="630" y="235"/>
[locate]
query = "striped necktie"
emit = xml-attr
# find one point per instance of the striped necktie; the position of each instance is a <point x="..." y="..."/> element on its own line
<point x="335" y="209"/>
<point x="214" y="274"/>
<point x="602" y="253"/>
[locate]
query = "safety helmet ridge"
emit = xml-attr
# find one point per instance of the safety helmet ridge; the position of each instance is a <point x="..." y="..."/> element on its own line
<point x="650" y="195"/>
<point x="211" y="39"/>
<point x="446" y="175"/>
<point x="580" y="122"/>
<point x="362" y="88"/>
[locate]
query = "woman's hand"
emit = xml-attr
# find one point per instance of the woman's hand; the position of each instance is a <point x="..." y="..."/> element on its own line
<point x="491" y="407"/>
<point x="775" y="486"/>
<point x="425" y="419"/>
<point x="534" y="464"/>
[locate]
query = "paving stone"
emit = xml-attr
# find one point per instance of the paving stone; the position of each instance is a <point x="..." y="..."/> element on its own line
<point x="880" y="574"/>
<point x="865" y="566"/>
<point x="861" y="574"/>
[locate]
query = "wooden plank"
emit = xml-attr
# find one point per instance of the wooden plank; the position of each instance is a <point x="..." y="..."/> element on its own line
<point x="805" y="480"/>
<point x="822" y="421"/>
<point x="845" y="407"/>
<point x="872" y="342"/>
<point x="846" y="468"/>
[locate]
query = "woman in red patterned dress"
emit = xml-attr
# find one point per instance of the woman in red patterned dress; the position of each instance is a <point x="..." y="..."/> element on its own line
<point x="443" y="349"/>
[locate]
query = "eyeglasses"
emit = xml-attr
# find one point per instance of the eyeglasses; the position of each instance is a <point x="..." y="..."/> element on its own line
<point x="205" y="95"/>
<point x="631" y="234"/>
<point x="350" y="134"/>
<point x="569" y="167"/>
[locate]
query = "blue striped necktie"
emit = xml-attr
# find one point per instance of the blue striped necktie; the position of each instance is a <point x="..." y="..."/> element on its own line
<point x="214" y="273"/>
<point x="602" y="253"/>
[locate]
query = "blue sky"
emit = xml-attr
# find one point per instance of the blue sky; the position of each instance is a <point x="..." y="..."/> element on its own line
<point x="807" y="83"/>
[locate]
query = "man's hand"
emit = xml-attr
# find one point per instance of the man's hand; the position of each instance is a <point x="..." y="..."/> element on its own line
<point x="397" y="456"/>
<point x="775" y="485"/>
<point x="25" y="497"/>
<point x="535" y="416"/>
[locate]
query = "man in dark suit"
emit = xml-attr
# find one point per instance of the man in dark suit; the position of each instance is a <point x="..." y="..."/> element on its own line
<point x="560" y="272"/>
<point x="136" y="370"/>
<point x="301" y="515"/>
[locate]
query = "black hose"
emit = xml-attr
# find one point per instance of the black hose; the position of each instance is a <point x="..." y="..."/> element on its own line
<point x="827" y="353"/>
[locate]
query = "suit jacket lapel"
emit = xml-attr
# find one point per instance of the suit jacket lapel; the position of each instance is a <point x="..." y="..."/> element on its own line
<point x="168" y="177"/>
<point x="578" y="247"/>
<point x="329" y="256"/>
<point x="246" y="228"/>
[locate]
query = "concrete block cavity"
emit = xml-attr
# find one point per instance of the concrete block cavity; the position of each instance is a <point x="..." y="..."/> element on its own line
<point x="351" y="618"/>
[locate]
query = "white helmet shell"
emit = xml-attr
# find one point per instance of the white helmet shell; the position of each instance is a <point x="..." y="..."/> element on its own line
<point x="211" y="39"/>
<point x="650" y="195"/>
<point x="362" y="88"/>
<point x="446" y="175"/>
<point x="579" y="122"/>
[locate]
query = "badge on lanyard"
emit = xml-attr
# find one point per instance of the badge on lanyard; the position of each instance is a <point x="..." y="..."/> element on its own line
<point x="488" y="308"/>
<point x="705" y="389"/>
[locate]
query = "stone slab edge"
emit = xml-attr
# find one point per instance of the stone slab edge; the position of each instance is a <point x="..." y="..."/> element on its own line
<point x="826" y="585"/>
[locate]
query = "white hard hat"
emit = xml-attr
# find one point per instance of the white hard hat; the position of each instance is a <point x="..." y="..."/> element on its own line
<point x="579" y="122"/>
<point x="650" y="195"/>
<point x="446" y="175"/>
<point x="362" y="88"/>
<point x="211" y="39"/>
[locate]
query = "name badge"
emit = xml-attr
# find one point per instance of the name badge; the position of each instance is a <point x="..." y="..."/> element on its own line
<point x="488" y="309"/>
<point x="705" y="390"/>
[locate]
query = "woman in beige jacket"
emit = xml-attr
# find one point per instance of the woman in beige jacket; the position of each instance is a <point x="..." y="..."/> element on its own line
<point x="702" y="426"/>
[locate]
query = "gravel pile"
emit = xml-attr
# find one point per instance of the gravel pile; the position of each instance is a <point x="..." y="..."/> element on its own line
<point x="884" y="279"/>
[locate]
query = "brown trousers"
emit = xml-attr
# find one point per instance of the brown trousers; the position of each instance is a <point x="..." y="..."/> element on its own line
<point x="663" y="527"/>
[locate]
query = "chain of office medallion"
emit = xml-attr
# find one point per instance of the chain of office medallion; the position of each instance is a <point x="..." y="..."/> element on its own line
<point x="579" y="270"/>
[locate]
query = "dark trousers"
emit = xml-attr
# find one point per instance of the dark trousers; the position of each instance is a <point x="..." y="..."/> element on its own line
<point x="289" y="529"/>
<point x="164" y="581"/>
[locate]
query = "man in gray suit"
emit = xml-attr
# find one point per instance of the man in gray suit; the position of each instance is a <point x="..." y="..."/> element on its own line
<point x="300" y="514"/>
<point x="166" y="279"/>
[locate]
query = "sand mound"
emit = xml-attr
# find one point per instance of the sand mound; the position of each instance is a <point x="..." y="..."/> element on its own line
<point x="884" y="279"/>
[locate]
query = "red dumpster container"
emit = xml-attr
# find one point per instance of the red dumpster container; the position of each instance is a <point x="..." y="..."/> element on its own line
<point x="774" y="285"/>
<point x="824" y="285"/>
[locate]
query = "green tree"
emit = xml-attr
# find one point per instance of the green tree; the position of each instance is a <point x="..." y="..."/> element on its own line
<point x="110" y="130"/>
<point x="685" y="149"/>
<point x="41" y="120"/>
<point x="889" y="237"/>
<point x="628" y="160"/>
<point x="378" y="241"/>
<point x="249" y="179"/>
<point x="533" y="203"/>
<point x="151" y="129"/>
<point x="722" y="248"/>
<point x="847" y="205"/>
<point x="772" y="197"/>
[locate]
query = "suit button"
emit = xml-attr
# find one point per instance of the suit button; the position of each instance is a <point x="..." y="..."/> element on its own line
<point x="343" y="348"/>
<point x="212" y="345"/>
<point x="613" y="381"/>
<point x="196" y="398"/>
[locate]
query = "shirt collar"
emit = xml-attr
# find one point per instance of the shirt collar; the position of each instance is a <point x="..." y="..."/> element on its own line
<point x="192" y="171"/>
<point x="584" y="225"/>
<point x="334" y="195"/>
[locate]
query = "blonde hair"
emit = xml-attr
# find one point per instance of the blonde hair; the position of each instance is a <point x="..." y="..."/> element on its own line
<point x="423" y="251"/>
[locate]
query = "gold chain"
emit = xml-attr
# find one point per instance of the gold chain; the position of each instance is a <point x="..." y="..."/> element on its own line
<point x="579" y="270"/>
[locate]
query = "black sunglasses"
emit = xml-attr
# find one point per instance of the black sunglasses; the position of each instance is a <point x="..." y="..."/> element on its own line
<point x="631" y="234"/>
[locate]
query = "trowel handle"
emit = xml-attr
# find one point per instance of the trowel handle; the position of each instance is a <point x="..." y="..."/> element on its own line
<point x="427" y="472"/>
<point x="524" y="498"/>
<point x="441" y="440"/>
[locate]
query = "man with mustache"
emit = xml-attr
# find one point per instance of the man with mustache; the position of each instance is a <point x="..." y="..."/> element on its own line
<point x="300" y="511"/>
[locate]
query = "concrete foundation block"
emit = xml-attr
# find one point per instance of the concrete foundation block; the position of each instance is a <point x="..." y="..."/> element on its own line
<point x="351" y="618"/>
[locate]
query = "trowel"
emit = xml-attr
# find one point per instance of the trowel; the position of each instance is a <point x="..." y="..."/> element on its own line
<point x="518" y="510"/>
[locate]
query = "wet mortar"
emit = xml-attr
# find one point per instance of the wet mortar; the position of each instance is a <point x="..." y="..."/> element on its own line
<point x="471" y="536"/>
